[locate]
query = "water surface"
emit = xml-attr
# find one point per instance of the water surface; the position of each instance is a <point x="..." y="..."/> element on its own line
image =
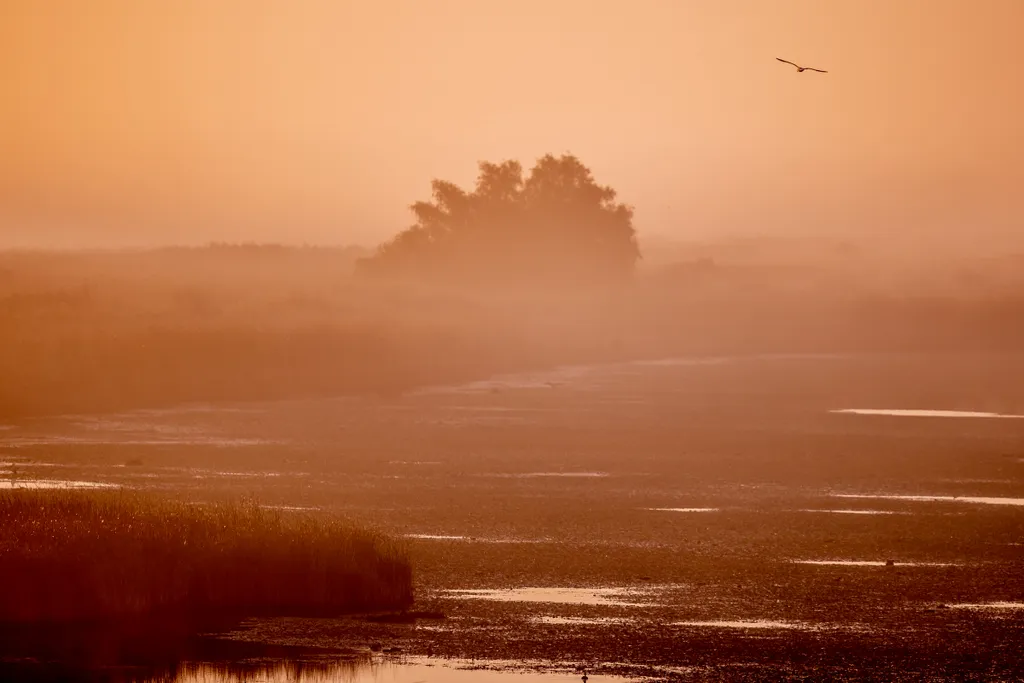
<point x="873" y="563"/>
<point x="925" y="413"/>
<point x="615" y="597"/>
<point x="418" y="670"/>
<point x="977" y="500"/>
<point x="859" y="512"/>
<point x="16" y="484"/>
<point x="531" y="475"/>
<point x="580" y="621"/>
<point x="990" y="605"/>
<point x="740" y="624"/>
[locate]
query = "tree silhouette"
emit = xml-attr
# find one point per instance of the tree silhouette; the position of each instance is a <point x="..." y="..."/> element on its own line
<point x="554" y="225"/>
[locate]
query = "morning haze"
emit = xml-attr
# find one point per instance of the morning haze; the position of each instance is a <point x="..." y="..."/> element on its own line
<point x="511" y="342"/>
<point x="318" y="122"/>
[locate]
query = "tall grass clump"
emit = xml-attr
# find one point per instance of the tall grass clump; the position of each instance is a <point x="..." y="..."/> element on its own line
<point x="71" y="556"/>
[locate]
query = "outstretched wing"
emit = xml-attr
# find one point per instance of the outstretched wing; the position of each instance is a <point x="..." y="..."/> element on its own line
<point x="786" y="61"/>
<point x="818" y="70"/>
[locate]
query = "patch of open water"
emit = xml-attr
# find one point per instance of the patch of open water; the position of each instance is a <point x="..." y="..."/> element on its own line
<point x="475" y="539"/>
<point x="875" y="563"/>
<point x="925" y="413"/>
<point x="580" y="621"/>
<point x="859" y="512"/>
<point x="57" y="440"/>
<point x="38" y="484"/>
<point x="531" y="475"/>
<point x="741" y="624"/>
<point x="612" y="597"/>
<point x="1002" y="605"/>
<point x="977" y="500"/>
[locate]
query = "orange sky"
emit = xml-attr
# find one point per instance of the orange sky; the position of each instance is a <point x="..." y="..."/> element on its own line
<point x="127" y="122"/>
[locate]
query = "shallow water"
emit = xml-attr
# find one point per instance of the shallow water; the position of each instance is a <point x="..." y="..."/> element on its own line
<point x="614" y="597"/>
<point x="860" y="512"/>
<point x="925" y="413"/>
<point x="580" y="621"/>
<point x="220" y="442"/>
<point x="563" y="501"/>
<point x="174" y="427"/>
<point x="36" y="484"/>
<point x="474" y="539"/>
<point x="530" y="475"/>
<point x="755" y="624"/>
<point x="437" y="537"/>
<point x="873" y="563"/>
<point x="978" y="500"/>
<point x="419" y="670"/>
<point x="990" y="605"/>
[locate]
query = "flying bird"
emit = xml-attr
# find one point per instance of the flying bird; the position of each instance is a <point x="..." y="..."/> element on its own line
<point x="800" y="68"/>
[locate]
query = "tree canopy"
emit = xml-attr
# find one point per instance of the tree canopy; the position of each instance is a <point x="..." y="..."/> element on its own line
<point x="555" y="224"/>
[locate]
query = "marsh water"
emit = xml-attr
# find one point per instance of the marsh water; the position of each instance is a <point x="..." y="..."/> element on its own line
<point x="384" y="671"/>
<point x="675" y="518"/>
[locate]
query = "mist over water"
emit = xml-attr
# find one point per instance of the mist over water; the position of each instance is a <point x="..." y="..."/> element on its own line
<point x="535" y="342"/>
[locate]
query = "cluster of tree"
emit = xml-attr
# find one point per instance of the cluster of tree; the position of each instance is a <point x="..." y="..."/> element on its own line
<point x="555" y="224"/>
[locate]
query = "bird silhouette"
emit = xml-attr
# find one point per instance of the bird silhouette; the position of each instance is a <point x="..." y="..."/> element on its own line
<point x="800" y="68"/>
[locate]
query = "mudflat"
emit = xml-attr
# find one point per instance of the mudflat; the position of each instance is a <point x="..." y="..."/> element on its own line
<point x="701" y="518"/>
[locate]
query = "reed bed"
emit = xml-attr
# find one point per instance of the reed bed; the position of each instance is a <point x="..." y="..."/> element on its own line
<point x="73" y="556"/>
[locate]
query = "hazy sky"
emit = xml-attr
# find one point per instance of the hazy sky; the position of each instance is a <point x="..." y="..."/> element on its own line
<point x="128" y="122"/>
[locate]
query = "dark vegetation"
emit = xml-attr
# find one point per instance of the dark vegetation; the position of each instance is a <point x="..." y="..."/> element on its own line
<point x="555" y="225"/>
<point x="113" y="556"/>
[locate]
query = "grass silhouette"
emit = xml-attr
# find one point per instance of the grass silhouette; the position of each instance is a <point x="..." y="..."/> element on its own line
<point x="79" y="556"/>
